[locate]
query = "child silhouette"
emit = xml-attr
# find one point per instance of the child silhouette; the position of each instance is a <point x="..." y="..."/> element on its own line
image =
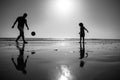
<point x="82" y="32"/>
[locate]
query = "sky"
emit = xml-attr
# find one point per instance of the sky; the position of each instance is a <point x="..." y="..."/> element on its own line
<point x="60" y="18"/>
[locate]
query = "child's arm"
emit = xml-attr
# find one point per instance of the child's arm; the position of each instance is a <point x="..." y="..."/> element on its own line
<point x="86" y="29"/>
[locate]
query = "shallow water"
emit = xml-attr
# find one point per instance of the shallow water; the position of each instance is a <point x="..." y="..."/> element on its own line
<point x="59" y="60"/>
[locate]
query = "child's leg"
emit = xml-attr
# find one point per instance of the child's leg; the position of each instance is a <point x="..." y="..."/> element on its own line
<point x="80" y="39"/>
<point x="83" y="40"/>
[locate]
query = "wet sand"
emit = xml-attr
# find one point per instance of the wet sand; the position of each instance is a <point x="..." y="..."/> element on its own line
<point x="59" y="60"/>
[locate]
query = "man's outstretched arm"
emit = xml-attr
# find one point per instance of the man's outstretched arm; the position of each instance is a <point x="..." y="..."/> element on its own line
<point x="13" y="62"/>
<point x="26" y="25"/>
<point x="14" y="23"/>
<point x="26" y="60"/>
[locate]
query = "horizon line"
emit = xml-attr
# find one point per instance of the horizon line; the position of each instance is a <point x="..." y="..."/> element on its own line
<point x="56" y="38"/>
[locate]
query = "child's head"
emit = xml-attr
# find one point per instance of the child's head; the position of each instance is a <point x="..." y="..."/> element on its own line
<point x="80" y="24"/>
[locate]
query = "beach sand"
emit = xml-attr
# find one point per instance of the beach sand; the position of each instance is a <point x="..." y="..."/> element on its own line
<point x="59" y="60"/>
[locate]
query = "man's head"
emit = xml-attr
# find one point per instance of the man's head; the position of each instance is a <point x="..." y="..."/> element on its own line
<point x="80" y="24"/>
<point x="25" y="15"/>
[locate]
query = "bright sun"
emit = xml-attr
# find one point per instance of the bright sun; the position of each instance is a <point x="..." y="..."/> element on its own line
<point x="63" y="7"/>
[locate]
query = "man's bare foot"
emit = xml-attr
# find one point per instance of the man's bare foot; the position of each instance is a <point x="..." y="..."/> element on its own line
<point x="25" y="42"/>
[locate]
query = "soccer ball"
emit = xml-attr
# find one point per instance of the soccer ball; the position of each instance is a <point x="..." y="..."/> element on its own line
<point x="33" y="33"/>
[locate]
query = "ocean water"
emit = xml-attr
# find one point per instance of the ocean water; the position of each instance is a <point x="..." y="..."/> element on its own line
<point x="54" y="59"/>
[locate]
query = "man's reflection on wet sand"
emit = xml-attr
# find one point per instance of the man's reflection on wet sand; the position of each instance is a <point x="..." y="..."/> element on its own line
<point x="20" y="65"/>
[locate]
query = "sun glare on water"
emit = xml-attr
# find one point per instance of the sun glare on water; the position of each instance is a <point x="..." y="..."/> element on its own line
<point x="65" y="73"/>
<point x="62" y="44"/>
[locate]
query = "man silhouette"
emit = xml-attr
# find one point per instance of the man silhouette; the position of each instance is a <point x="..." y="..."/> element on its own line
<point x="21" y="22"/>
